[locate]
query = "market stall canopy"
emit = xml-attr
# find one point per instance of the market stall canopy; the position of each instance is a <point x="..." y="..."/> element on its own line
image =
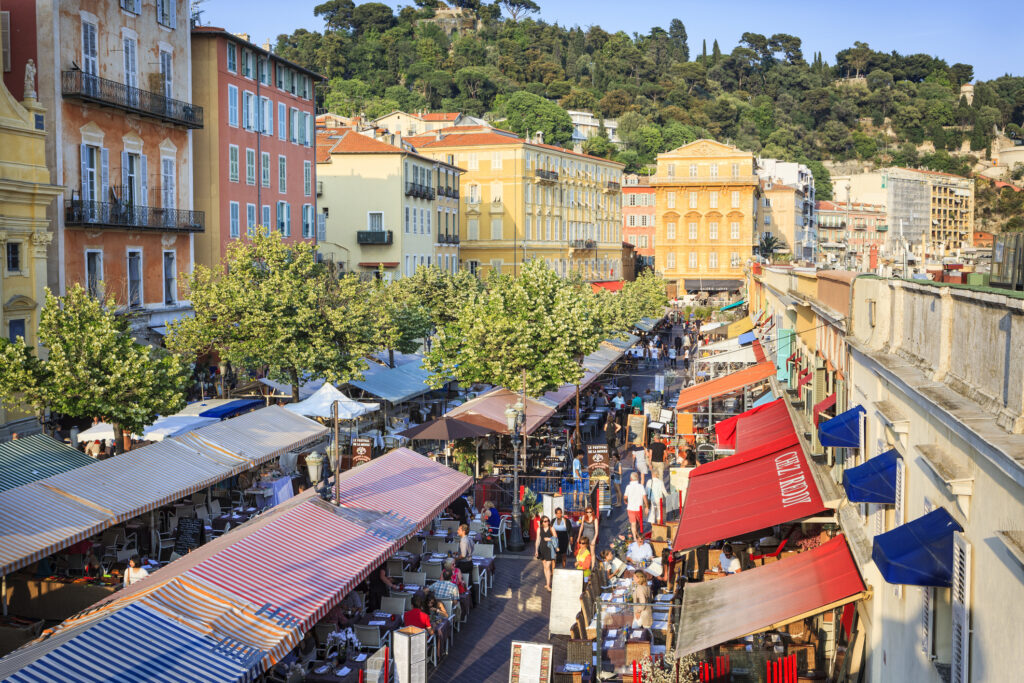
<point x="767" y="398"/>
<point x="825" y="404"/>
<point x="307" y="387"/>
<point x="725" y="430"/>
<point x="747" y="338"/>
<point x="647" y="324"/>
<point x="708" y="327"/>
<point x="765" y="431"/>
<point x="176" y="425"/>
<point x="610" y="285"/>
<point x="101" y="431"/>
<point x="744" y="324"/>
<point x="706" y="285"/>
<point x="237" y="594"/>
<point x="31" y="458"/>
<point x="768" y="597"/>
<point x="492" y="404"/>
<point x="745" y="492"/>
<point x="322" y="402"/>
<point x="42" y="517"/>
<point x="918" y="553"/>
<point x="735" y="304"/>
<point x="446" y="428"/>
<point x="232" y="407"/>
<point x="740" y="354"/>
<point x="874" y="481"/>
<point x="395" y="385"/>
<point x="700" y="393"/>
<point x="843" y="430"/>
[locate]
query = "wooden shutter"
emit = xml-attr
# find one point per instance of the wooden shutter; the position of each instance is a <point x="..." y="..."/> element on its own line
<point x="144" y="181"/>
<point x="86" y="189"/>
<point x="898" y="507"/>
<point x="104" y="174"/>
<point x="124" y="176"/>
<point x="926" y="621"/>
<point x="172" y="5"/>
<point x="960" y="596"/>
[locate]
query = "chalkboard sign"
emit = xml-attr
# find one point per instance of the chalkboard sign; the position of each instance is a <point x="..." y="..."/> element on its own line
<point x="637" y="430"/>
<point x="566" y="588"/>
<point x="597" y="457"/>
<point x="191" y="535"/>
<point x="362" y="451"/>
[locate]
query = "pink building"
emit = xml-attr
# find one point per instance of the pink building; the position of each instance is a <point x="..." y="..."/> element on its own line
<point x="850" y="228"/>
<point x="255" y="161"/>
<point x="638" y="218"/>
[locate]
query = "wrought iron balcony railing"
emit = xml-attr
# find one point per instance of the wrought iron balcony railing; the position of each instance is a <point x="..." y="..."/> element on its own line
<point x="551" y="176"/>
<point x="612" y="186"/>
<point x="446" y="238"/>
<point x="123" y="215"/>
<point x="375" y="237"/>
<point x="89" y="88"/>
<point x="583" y="244"/>
<point x="418" y="190"/>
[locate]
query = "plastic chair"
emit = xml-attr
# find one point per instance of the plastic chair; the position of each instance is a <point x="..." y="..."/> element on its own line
<point x="370" y="637"/>
<point x="394" y="568"/>
<point x="484" y="550"/>
<point x="433" y="571"/>
<point x="415" y="578"/>
<point x="392" y="605"/>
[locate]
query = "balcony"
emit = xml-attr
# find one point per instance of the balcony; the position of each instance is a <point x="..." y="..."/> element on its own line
<point x="121" y="215"/>
<point x="612" y="186"/>
<point x="375" y="237"/>
<point x="545" y="176"/>
<point x="418" y="190"/>
<point x="583" y="244"/>
<point x="447" y="239"/>
<point x="88" y="88"/>
<point x="448" y="192"/>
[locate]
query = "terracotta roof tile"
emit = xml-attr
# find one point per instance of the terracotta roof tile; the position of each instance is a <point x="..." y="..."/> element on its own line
<point x="440" y="116"/>
<point x="493" y="138"/>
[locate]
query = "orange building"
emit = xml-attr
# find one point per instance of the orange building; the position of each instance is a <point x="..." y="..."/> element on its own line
<point x="115" y="78"/>
<point x="638" y="214"/>
<point x="255" y="159"/>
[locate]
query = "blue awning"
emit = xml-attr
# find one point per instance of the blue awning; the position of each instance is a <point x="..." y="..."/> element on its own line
<point x="843" y="430"/>
<point x="918" y="553"/>
<point x="747" y="338"/>
<point x="232" y="408"/>
<point x="767" y="398"/>
<point x="733" y="305"/>
<point x="874" y="481"/>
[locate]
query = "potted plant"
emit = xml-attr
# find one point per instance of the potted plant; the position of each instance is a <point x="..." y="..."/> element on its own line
<point x="463" y="455"/>
<point x="532" y="511"/>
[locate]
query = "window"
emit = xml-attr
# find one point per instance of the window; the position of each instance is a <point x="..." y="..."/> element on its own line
<point x="960" y="596"/>
<point x="713" y="230"/>
<point x="734" y="259"/>
<point x="265" y="169"/>
<point x="670" y="200"/>
<point x="282" y="121"/>
<point x="495" y="160"/>
<point x="474" y="194"/>
<point x="375" y="221"/>
<point x="301" y="124"/>
<point x="734" y="230"/>
<point x="735" y="199"/>
<point x="167" y="13"/>
<point x="232" y="58"/>
<point x="90" y="58"/>
<point x="233" y="163"/>
<point x="670" y="259"/>
<point x="170" y="277"/>
<point x="693" y="231"/>
<point x="169" y="196"/>
<point x="693" y="260"/>
<point x="282" y="218"/>
<point x="407" y="219"/>
<point x="250" y="166"/>
<point x="307" y="178"/>
<point x="693" y="200"/>
<point x="233" y="219"/>
<point x="266" y="218"/>
<point x="671" y="170"/>
<point x="714" y="170"/>
<point x="133" y="6"/>
<point x="246" y="63"/>
<point x="167" y="73"/>
<point x="15" y="329"/>
<point x="263" y="70"/>
<point x="415" y="224"/>
<point x="13" y="257"/>
<point x="631" y="221"/>
<point x="307" y="221"/>
<point x="767" y="219"/>
<point x="735" y="170"/>
<point x="693" y="170"/>
<point x="279" y="72"/>
<point x="247" y="110"/>
<point x="713" y="260"/>
<point x="473" y="229"/>
<point x="428" y="215"/>
<point x="233" y="105"/>
<point x="131" y="65"/>
<point x="282" y="173"/>
<point x="713" y="200"/>
<point x="474" y="162"/>
<point x="670" y="231"/>
<point x="632" y="199"/>
<point x="529" y="226"/>
<point x="94" y="272"/>
<point x="496" y="189"/>
<point x="308" y="127"/>
<point x="293" y="124"/>
<point x="250" y="219"/>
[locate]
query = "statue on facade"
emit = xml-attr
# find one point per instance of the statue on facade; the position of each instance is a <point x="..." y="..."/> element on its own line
<point x="30" y="80"/>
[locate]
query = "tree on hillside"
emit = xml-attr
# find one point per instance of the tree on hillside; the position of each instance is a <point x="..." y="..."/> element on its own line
<point x="93" y="367"/>
<point x="677" y="32"/>
<point x="271" y="305"/>
<point x="526" y="114"/>
<point x="519" y="8"/>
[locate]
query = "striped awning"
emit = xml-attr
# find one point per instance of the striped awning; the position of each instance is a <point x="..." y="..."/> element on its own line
<point x="36" y="457"/>
<point x="262" y="434"/>
<point x="138" y="644"/>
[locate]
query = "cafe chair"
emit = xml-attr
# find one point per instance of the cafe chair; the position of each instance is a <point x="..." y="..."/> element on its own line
<point x="199" y="497"/>
<point x="215" y="509"/>
<point x="450" y="547"/>
<point x="414" y="546"/>
<point x="455" y="615"/>
<point x="164" y="542"/>
<point x="450" y="525"/>
<point x="415" y="578"/>
<point x="433" y="571"/>
<point x="370" y="638"/>
<point x="502" y="534"/>
<point x="214" y="533"/>
<point x="435" y="545"/>
<point x="392" y="605"/>
<point x="484" y="550"/>
<point x="394" y="569"/>
<point x="476" y="525"/>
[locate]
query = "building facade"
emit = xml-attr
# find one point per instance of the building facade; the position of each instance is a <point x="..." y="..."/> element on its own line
<point x="780" y="216"/>
<point x="801" y="179"/>
<point x="117" y="80"/>
<point x="586" y="125"/>
<point x="638" y="216"/>
<point x="26" y="196"/>
<point x="255" y="161"/>
<point x="524" y="199"/>
<point x="707" y="209"/>
<point x="850" y="232"/>
<point x="385" y="208"/>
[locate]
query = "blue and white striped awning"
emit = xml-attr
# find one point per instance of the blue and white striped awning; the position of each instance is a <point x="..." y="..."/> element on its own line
<point x="137" y="644"/>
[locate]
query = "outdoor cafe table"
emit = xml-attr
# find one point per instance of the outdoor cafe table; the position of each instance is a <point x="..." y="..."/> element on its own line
<point x="351" y="667"/>
<point x="232" y="518"/>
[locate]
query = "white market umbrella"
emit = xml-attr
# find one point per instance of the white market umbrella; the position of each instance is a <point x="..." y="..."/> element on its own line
<point x="174" y="425"/>
<point x="319" y="404"/>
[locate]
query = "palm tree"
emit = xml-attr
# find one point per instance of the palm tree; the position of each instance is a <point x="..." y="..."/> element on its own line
<point x="768" y="244"/>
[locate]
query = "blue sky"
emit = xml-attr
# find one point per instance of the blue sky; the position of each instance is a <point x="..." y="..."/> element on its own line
<point x="971" y="32"/>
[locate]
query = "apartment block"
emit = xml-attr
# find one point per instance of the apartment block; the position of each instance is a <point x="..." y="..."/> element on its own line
<point x="851" y="233"/>
<point x="523" y="199"/>
<point x="638" y="216"/>
<point x="385" y="208"/>
<point x="797" y="232"/>
<point x="706" y="227"/>
<point x="255" y="159"/>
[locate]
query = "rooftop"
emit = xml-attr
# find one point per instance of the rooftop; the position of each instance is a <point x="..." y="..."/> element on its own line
<point x="215" y="31"/>
<point x="493" y="136"/>
<point x="332" y="141"/>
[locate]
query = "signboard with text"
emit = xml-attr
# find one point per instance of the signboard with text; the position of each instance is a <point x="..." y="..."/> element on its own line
<point x="362" y="451"/>
<point x="597" y="459"/>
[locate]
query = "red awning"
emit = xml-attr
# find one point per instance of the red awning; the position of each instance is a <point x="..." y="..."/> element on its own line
<point x="758" y="352"/>
<point x="829" y="401"/>
<point x="792" y="357"/>
<point x="743" y="493"/>
<point x="768" y="597"/>
<point x="699" y="393"/>
<point x="725" y="430"/>
<point x="610" y="285"/>
<point x="805" y="378"/>
<point x="767" y="432"/>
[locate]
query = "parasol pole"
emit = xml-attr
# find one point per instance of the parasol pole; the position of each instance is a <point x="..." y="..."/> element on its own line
<point x="337" y="455"/>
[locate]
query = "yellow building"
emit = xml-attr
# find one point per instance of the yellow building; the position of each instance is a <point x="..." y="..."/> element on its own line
<point x="25" y="194"/>
<point x="524" y="199"/>
<point x="706" y="204"/>
<point x="780" y="214"/>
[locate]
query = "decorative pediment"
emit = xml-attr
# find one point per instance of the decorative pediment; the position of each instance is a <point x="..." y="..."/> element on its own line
<point x="705" y="148"/>
<point x="20" y="303"/>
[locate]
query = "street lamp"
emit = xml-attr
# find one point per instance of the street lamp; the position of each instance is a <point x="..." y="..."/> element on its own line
<point x="515" y="417"/>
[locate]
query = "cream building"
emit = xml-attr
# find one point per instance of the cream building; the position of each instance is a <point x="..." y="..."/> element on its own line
<point x="25" y="195"/>
<point x="706" y="223"/>
<point x="524" y="199"/>
<point x="385" y="207"/>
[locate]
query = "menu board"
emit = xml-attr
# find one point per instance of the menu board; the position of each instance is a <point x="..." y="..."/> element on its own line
<point x="636" y="430"/>
<point x="530" y="662"/>
<point x="191" y="535"/>
<point x="362" y="450"/>
<point x="597" y="457"/>
<point x="566" y="588"/>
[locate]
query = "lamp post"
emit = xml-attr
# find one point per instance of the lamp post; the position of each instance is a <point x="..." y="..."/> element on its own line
<point x="515" y="416"/>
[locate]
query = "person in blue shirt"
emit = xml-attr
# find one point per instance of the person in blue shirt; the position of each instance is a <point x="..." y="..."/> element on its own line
<point x="493" y="518"/>
<point x="637" y="404"/>
<point x="577" y="480"/>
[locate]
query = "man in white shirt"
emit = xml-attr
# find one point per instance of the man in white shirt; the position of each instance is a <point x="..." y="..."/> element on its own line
<point x="728" y="563"/>
<point x="636" y="505"/>
<point x="618" y="401"/>
<point x="639" y="552"/>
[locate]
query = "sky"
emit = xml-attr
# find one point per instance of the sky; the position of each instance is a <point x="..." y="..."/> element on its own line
<point x="971" y="32"/>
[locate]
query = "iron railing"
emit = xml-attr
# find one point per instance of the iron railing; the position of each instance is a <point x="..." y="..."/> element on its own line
<point x="444" y="238"/>
<point x="375" y="237"/>
<point x="582" y="244"/>
<point x="419" y="190"/>
<point x="546" y="175"/>
<point x="123" y="215"/>
<point x="87" y="87"/>
<point x="613" y="186"/>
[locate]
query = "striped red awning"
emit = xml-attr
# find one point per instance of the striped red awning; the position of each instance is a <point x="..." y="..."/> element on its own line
<point x="824" y="405"/>
<point x="805" y="378"/>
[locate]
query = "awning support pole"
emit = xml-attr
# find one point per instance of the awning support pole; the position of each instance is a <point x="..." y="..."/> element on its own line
<point x="3" y="588"/>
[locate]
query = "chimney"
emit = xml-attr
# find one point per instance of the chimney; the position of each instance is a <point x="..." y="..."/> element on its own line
<point x="244" y="36"/>
<point x="267" y="46"/>
<point x="538" y="137"/>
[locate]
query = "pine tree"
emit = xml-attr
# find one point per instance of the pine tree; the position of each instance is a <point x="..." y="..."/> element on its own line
<point x="716" y="53"/>
<point x="704" y="51"/>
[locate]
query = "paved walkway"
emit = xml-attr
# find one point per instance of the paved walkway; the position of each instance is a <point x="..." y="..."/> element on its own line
<point x="517" y="606"/>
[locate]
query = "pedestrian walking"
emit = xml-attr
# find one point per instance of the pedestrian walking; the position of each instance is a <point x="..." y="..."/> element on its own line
<point x="616" y="476"/>
<point x="672" y="358"/>
<point x="546" y="547"/>
<point x="640" y="463"/>
<point x="636" y="504"/>
<point x="562" y="527"/>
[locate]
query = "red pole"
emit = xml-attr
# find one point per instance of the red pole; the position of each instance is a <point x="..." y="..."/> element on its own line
<point x="793" y="666"/>
<point x="680" y="506"/>
<point x="386" y="661"/>
<point x="768" y="666"/>
<point x="661" y="511"/>
<point x="636" y="679"/>
<point x="360" y="676"/>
